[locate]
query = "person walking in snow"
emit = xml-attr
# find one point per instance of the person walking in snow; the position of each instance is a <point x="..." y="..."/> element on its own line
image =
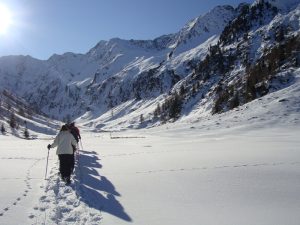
<point x="76" y="134"/>
<point x="64" y="142"/>
<point x="75" y="131"/>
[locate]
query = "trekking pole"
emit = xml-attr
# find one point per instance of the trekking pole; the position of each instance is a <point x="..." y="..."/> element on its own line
<point x="81" y="144"/>
<point x="47" y="164"/>
<point x="77" y="154"/>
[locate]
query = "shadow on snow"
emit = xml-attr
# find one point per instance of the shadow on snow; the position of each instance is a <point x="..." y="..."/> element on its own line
<point x="96" y="190"/>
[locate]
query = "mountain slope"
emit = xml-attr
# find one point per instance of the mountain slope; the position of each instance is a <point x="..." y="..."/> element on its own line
<point x="218" y="61"/>
<point x="20" y="119"/>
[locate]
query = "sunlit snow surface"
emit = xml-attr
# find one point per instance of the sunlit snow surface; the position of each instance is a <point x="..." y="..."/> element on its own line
<point x="241" y="167"/>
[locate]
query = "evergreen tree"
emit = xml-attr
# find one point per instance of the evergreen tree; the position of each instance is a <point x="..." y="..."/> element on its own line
<point x="26" y="133"/>
<point x="12" y="121"/>
<point x="3" y="131"/>
<point x="194" y="89"/>
<point x="138" y="95"/>
<point x="279" y="35"/>
<point x="142" y="118"/>
<point x="112" y="112"/>
<point x="182" y="90"/>
<point x="157" y="111"/>
<point x="175" y="106"/>
<point x="21" y="112"/>
<point x="234" y="102"/>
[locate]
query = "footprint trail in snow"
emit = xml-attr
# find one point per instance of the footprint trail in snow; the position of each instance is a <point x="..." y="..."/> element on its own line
<point x="63" y="204"/>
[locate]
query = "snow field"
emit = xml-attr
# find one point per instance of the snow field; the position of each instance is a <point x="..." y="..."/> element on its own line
<point x="228" y="179"/>
<point x="157" y="176"/>
<point x="22" y="170"/>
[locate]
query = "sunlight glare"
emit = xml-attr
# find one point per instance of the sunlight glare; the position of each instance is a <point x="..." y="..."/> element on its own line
<point x="5" y="19"/>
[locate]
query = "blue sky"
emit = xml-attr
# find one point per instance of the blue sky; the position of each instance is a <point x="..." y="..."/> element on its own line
<point x="43" y="27"/>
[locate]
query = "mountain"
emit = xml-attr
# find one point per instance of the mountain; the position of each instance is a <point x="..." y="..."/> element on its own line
<point x="17" y="117"/>
<point x="217" y="62"/>
<point x="202" y="28"/>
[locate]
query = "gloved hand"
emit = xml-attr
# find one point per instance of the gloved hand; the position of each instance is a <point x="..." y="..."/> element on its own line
<point x="49" y="146"/>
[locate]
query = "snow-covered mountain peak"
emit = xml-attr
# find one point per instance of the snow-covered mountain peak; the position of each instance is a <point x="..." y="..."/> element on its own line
<point x="55" y="57"/>
<point x="200" y="29"/>
<point x="104" y="46"/>
<point x="203" y="27"/>
<point x="118" y="46"/>
<point x="210" y="21"/>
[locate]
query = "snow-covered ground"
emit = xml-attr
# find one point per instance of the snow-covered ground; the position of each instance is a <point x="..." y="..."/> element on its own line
<point x="172" y="175"/>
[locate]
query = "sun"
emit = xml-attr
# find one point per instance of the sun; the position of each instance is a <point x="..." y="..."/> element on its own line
<point x="5" y="19"/>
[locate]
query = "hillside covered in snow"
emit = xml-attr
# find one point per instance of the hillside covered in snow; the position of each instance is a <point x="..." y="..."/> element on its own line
<point x="217" y="62"/>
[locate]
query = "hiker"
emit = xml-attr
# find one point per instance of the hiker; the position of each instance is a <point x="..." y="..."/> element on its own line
<point x="75" y="131"/>
<point x="76" y="134"/>
<point x="64" y="142"/>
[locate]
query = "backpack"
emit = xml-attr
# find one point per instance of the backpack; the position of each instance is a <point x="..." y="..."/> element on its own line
<point x="75" y="132"/>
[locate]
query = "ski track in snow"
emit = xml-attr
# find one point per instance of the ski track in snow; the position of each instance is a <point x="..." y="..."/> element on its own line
<point x="22" y="158"/>
<point x="27" y="185"/>
<point x="64" y="204"/>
